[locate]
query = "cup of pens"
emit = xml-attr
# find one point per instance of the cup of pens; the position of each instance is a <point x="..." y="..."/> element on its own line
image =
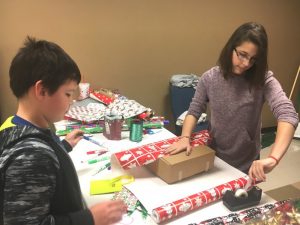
<point x="112" y="127"/>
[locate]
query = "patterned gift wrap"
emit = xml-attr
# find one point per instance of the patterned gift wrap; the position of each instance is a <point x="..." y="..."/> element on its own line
<point x="126" y="108"/>
<point x="200" y="199"/>
<point x="287" y="213"/>
<point x="146" y="154"/>
<point x="103" y="95"/>
<point x="241" y="217"/>
<point x="85" y="114"/>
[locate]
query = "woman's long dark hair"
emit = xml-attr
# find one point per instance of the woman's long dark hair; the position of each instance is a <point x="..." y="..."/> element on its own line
<point x="255" y="33"/>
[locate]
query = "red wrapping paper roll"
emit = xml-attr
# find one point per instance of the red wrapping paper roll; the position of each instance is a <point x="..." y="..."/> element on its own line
<point x="146" y="154"/>
<point x="189" y="203"/>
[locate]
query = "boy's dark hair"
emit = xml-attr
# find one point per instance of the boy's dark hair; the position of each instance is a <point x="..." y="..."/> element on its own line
<point x="41" y="60"/>
<point x="255" y="33"/>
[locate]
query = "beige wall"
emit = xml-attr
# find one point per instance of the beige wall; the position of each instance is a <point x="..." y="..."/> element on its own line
<point x="136" y="45"/>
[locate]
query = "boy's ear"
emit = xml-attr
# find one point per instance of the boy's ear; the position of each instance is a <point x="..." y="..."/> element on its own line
<point x="39" y="90"/>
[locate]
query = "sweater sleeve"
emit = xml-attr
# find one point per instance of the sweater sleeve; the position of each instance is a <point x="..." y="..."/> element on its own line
<point x="200" y="99"/>
<point x="281" y="107"/>
<point x="67" y="146"/>
<point x="30" y="182"/>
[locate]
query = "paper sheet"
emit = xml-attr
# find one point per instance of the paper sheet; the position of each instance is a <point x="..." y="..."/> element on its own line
<point x="156" y="192"/>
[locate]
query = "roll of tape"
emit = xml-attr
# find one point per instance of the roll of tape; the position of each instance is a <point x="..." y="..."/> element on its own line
<point x="241" y="193"/>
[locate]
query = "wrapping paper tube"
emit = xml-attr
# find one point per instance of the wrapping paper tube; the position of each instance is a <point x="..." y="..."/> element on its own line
<point x="200" y="199"/>
<point x="243" y="216"/>
<point x="148" y="153"/>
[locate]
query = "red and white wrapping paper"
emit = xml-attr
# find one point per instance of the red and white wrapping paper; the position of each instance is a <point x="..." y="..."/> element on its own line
<point x="126" y="108"/>
<point x="105" y="96"/>
<point x="146" y="154"/>
<point x="192" y="202"/>
<point x="85" y="114"/>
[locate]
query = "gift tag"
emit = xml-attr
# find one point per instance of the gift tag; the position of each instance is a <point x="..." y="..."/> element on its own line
<point x="110" y="185"/>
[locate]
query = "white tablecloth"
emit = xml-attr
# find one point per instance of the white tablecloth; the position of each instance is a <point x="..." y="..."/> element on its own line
<point x="149" y="189"/>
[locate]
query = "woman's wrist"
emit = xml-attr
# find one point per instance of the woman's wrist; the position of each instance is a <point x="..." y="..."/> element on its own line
<point x="184" y="136"/>
<point x="276" y="160"/>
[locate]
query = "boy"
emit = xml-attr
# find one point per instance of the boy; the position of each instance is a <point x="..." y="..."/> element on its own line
<point x="39" y="184"/>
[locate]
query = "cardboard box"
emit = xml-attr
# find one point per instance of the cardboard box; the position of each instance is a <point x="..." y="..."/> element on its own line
<point x="180" y="166"/>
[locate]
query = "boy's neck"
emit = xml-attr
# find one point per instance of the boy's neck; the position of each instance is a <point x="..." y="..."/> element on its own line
<point x="29" y="113"/>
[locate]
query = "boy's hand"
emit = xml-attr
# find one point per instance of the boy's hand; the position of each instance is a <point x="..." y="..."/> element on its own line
<point x="108" y="212"/>
<point x="74" y="137"/>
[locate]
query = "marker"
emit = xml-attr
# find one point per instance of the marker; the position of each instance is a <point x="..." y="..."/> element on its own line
<point x="106" y="166"/>
<point x="92" y="140"/>
<point x="99" y="152"/>
<point x="92" y="161"/>
<point x="150" y="131"/>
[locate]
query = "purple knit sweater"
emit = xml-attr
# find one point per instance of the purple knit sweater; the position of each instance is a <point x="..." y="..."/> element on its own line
<point x="236" y="113"/>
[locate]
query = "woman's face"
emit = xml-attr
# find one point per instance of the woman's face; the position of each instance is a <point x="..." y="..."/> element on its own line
<point x="243" y="57"/>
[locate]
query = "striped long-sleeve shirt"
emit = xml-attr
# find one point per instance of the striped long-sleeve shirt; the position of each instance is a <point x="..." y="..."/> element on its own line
<point x="236" y="113"/>
<point x="39" y="184"/>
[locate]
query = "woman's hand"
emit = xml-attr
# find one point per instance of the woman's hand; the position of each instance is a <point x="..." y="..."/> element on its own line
<point x="74" y="137"/>
<point x="108" y="212"/>
<point x="259" y="168"/>
<point x="182" y="144"/>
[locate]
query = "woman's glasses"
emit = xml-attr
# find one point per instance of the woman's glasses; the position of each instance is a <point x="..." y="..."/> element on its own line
<point x="244" y="57"/>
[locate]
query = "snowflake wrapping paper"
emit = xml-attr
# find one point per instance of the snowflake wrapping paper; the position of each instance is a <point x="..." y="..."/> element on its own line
<point x="200" y="199"/>
<point x="241" y="217"/>
<point x="126" y="108"/>
<point x="146" y="154"/>
<point x="86" y="114"/>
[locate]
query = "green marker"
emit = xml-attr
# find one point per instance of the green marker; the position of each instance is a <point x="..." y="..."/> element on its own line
<point x="106" y="166"/>
<point x="92" y="161"/>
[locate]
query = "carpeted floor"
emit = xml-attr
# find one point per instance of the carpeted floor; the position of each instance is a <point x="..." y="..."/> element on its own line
<point x="291" y="191"/>
<point x="284" y="181"/>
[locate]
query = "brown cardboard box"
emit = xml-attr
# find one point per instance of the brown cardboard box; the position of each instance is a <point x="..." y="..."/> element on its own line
<point x="177" y="167"/>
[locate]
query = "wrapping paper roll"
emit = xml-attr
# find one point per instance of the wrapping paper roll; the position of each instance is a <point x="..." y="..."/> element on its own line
<point x="103" y="95"/>
<point x="146" y="154"/>
<point x="241" y="217"/>
<point x="200" y="199"/>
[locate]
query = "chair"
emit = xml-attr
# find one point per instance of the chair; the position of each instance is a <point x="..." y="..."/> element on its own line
<point x="180" y="102"/>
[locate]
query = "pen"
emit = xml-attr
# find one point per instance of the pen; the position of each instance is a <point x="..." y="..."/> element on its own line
<point x="92" y="140"/>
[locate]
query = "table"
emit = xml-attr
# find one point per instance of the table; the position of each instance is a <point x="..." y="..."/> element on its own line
<point x="146" y="182"/>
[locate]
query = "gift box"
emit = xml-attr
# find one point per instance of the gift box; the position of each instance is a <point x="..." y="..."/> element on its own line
<point x="180" y="166"/>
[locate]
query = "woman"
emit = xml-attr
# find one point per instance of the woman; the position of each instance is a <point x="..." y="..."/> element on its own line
<point x="236" y="90"/>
